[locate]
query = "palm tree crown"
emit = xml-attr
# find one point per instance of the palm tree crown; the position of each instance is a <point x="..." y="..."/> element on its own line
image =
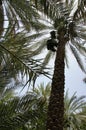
<point x="70" y="17"/>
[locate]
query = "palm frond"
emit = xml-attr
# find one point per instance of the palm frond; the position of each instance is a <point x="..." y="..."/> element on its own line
<point x="15" y="116"/>
<point x="81" y="31"/>
<point x="78" y="58"/>
<point x="80" y="47"/>
<point x="80" y="12"/>
<point x="17" y="57"/>
<point x="78" y="103"/>
<point x="25" y="111"/>
<point x="20" y="16"/>
<point x="74" y="113"/>
<point x="66" y="57"/>
<point x="43" y="91"/>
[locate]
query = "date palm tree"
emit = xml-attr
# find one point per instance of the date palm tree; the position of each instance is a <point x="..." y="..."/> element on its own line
<point x="68" y="18"/>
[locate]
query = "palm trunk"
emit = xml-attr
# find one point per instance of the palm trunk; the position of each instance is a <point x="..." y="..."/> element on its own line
<point x="1" y="19"/>
<point x="55" y="117"/>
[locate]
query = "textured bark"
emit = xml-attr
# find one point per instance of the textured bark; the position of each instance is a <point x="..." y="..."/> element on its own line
<point x="55" y="117"/>
<point x="1" y="19"/>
